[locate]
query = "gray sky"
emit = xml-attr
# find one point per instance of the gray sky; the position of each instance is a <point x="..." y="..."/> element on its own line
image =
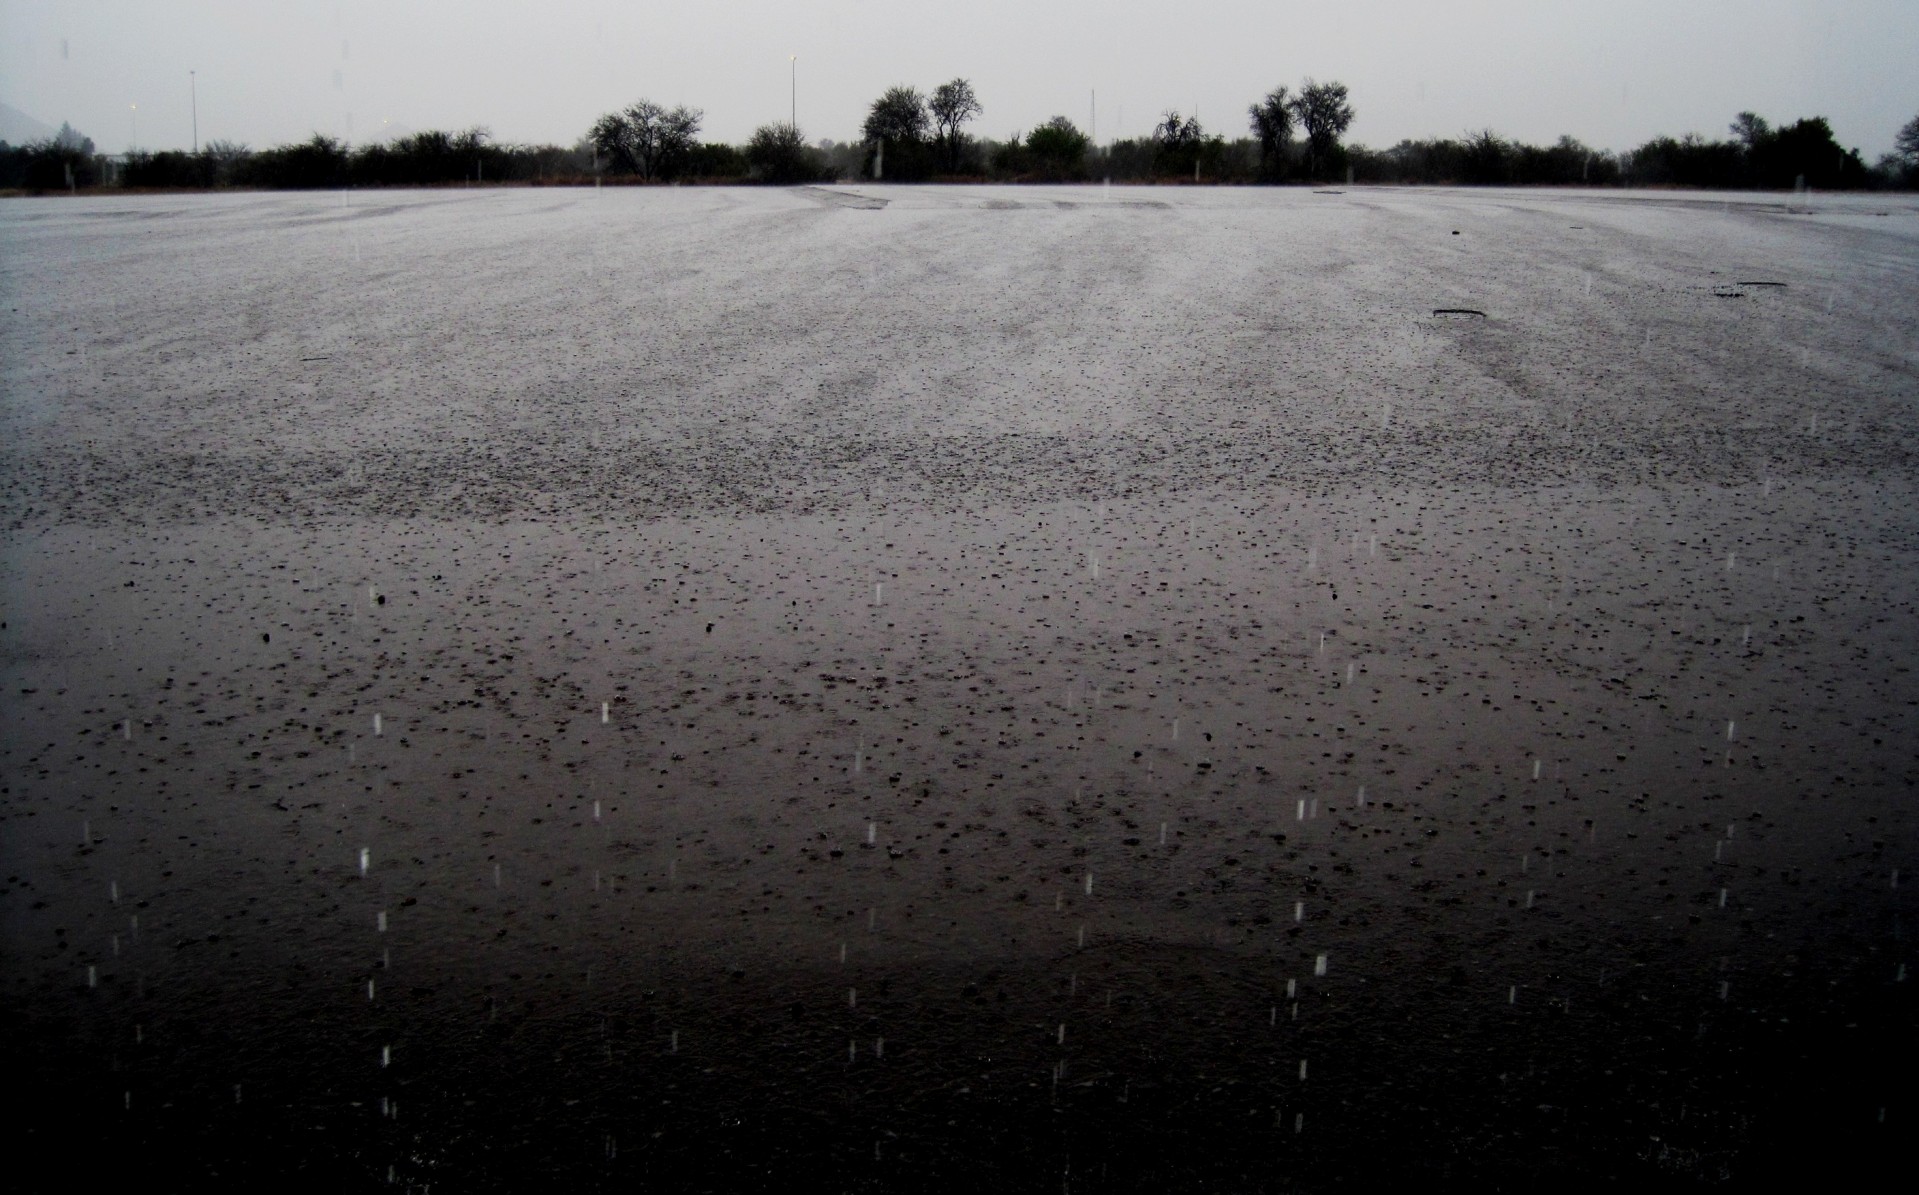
<point x="1610" y="73"/>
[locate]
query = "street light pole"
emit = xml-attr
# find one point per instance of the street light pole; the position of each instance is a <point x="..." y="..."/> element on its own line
<point x="193" y="81"/>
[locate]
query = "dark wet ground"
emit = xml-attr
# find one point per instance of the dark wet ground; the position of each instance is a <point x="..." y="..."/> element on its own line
<point x="956" y="695"/>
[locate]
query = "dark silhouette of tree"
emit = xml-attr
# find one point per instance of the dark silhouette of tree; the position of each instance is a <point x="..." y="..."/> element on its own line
<point x="898" y="121"/>
<point x="1272" y="120"/>
<point x="53" y="163"/>
<point x="1176" y="141"/>
<point x="1486" y="159"/>
<point x="71" y="139"/>
<point x="647" y="139"/>
<point x="952" y="105"/>
<point x="1804" y="149"/>
<point x="1750" y="129"/>
<point x="229" y="159"/>
<point x="1324" y="115"/>
<point x="1057" y="149"/>
<point x="1176" y="131"/>
<point x="897" y="117"/>
<point x="779" y="154"/>
<point x="319" y="161"/>
<point x="1907" y="142"/>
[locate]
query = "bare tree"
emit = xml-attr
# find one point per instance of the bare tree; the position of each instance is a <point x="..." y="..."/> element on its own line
<point x="953" y="104"/>
<point x="1176" y="132"/>
<point x="1324" y="116"/>
<point x="1272" y="120"/>
<point x="227" y="157"/>
<point x="1907" y="142"/>
<point x="647" y="138"/>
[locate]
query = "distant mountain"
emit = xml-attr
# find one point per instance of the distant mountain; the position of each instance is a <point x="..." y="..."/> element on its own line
<point x="17" y="128"/>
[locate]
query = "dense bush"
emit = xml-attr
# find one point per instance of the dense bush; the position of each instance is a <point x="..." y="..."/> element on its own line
<point x="66" y="159"/>
<point x="167" y="168"/>
<point x="424" y="159"/>
<point x="1056" y="150"/>
<point x="715" y="161"/>
<point x="320" y="161"/>
<point x="779" y="154"/>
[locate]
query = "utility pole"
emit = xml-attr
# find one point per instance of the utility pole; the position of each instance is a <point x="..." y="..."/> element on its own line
<point x="193" y="81"/>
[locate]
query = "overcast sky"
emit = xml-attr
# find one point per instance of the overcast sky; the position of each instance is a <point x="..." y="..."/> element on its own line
<point x="1610" y="72"/>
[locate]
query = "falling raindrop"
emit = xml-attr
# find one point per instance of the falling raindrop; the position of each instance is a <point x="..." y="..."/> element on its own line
<point x="381" y="921"/>
<point x="366" y="857"/>
<point x="1302" y="1070"/>
<point x="852" y="997"/>
<point x="386" y="1056"/>
<point x="1299" y="911"/>
<point x="376" y="725"/>
<point x="1319" y="966"/>
<point x="872" y="832"/>
<point x="93" y="977"/>
<point x="606" y="712"/>
<point x="1722" y="898"/>
<point x="1536" y="765"/>
<point x="1512" y="994"/>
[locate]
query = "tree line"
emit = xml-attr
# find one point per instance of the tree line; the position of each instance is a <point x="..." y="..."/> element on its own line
<point x="913" y="136"/>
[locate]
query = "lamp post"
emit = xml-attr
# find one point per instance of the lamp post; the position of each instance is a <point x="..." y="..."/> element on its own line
<point x="193" y="82"/>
